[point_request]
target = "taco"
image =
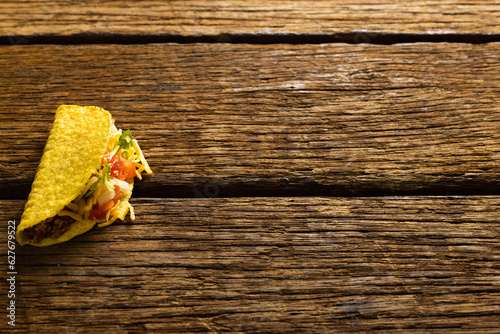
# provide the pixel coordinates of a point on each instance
(85, 177)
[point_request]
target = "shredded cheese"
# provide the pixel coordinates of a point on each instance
(81, 206)
(112, 153)
(141, 156)
(132, 213)
(72, 206)
(107, 223)
(70, 214)
(139, 176)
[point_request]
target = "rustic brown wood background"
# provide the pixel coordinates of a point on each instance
(320, 166)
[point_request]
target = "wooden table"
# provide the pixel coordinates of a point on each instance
(320, 166)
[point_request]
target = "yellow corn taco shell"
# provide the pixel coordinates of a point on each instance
(73, 152)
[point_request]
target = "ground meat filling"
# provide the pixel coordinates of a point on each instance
(52, 227)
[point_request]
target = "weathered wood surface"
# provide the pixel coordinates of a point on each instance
(257, 120)
(249, 119)
(257, 265)
(201, 17)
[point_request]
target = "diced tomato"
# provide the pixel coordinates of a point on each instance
(96, 212)
(105, 158)
(99, 212)
(107, 206)
(128, 169)
(118, 194)
(116, 166)
(122, 169)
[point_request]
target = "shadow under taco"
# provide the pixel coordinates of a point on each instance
(85, 177)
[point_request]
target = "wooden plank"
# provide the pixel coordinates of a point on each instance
(270, 265)
(202, 17)
(275, 119)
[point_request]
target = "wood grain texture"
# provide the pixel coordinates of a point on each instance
(260, 265)
(201, 17)
(328, 119)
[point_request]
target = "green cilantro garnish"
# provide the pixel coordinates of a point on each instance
(125, 140)
(107, 177)
(90, 192)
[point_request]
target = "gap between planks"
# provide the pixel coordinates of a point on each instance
(358, 37)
